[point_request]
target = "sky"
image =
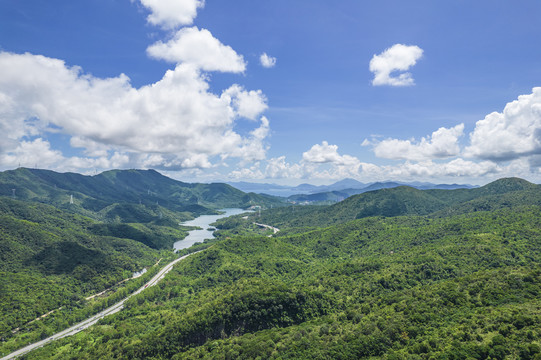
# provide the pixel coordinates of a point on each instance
(278, 91)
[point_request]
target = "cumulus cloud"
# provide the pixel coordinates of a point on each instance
(31, 153)
(170, 14)
(454, 168)
(443, 143)
(450, 170)
(326, 153)
(200, 49)
(267, 61)
(177, 117)
(339, 166)
(248, 104)
(252, 172)
(398, 57)
(278, 168)
(253, 147)
(503, 144)
(511, 134)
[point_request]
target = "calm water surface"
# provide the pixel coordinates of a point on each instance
(203, 222)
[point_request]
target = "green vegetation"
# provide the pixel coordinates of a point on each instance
(458, 287)
(116, 195)
(392, 274)
(403, 200)
(51, 259)
(64, 237)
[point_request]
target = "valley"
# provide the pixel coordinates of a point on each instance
(393, 273)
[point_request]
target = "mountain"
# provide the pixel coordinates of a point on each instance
(461, 287)
(339, 186)
(318, 198)
(50, 258)
(383, 185)
(326, 194)
(329, 197)
(256, 187)
(404, 200)
(99, 196)
(65, 236)
(285, 191)
(364, 278)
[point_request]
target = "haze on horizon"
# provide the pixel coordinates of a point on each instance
(280, 92)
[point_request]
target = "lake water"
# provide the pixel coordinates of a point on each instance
(203, 222)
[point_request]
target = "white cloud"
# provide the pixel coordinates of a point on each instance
(200, 49)
(252, 172)
(340, 165)
(396, 58)
(31, 153)
(267, 61)
(176, 117)
(278, 168)
(443, 143)
(454, 168)
(200, 161)
(254, 148)
(248, 104)
(326, 153)
(511, 134)
(170, 14)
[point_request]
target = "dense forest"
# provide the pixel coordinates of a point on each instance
(114, 196)
(459, 287)
(392, 274)
(66, 237)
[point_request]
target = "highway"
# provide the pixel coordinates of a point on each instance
(94, 319)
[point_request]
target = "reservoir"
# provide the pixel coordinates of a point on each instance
(203, 222)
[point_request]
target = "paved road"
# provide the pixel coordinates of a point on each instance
(94, 319)
(268, 227)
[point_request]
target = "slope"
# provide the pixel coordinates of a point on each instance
(404, 287)
(403, 200)
(92, 195)
(50, 258)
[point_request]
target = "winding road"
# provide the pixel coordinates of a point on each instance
(268, 227)
(94, 319)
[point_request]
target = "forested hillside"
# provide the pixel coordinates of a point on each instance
(393, 274)
(458, 287)
(50, 258)
(403, 200)
(65, 236)
(113, 195)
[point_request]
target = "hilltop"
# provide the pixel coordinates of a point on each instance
(405, 200)
(116, 194)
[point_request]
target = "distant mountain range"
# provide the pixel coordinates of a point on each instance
(307, 193)
(406, 200)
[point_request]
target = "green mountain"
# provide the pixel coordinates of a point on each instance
(50, 258)
(394, 274)
(404, 200)
(99, 196)
(406, 287)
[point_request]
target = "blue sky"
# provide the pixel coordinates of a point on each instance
(440, 91)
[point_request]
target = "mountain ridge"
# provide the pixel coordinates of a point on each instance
(405, 200)
(90, 195)
(334, 192)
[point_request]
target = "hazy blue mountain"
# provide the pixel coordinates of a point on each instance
(345, 187)
(327, 197)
